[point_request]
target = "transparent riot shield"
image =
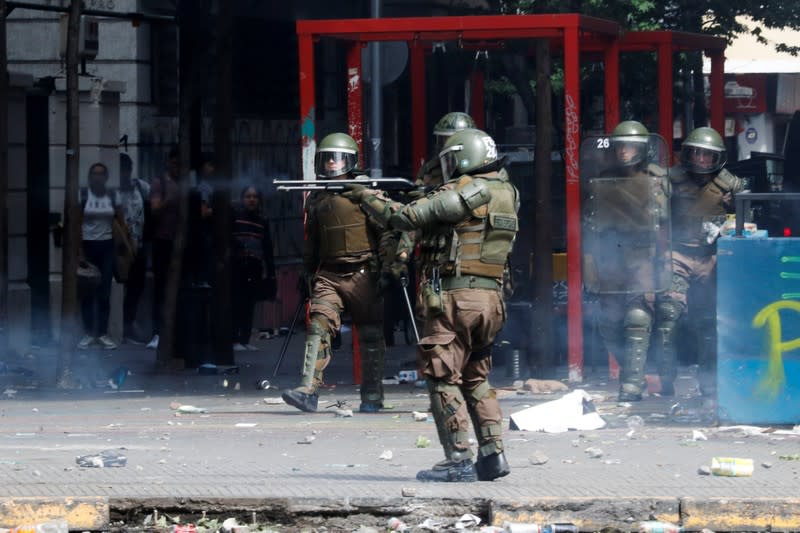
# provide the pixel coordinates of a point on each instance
(625, 188)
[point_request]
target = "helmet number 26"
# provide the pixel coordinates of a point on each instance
(603, 142)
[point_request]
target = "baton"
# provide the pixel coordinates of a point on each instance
(289, 336)
(389, 184)
(404, 283)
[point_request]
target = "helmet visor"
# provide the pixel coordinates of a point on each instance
(449, 160)
(329, 164)
(630, 151)
(699, 160)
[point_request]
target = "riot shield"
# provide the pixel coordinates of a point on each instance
(625, 188)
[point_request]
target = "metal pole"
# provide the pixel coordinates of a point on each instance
(404, 283)
(289, 334)
(376, 101)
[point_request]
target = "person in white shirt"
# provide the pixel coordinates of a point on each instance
(99, 207)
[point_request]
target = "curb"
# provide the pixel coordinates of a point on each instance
(81, 513)
(589, 514)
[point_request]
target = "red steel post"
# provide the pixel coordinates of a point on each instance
(665, 93)
(572, 171)
(354, 105)
(476, 97)
(419, 135)
(611, 84)
(717, 91)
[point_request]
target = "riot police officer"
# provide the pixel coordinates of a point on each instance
(468, 228)
(340, 258)
(430, 174)
(702, 194)
(626, 241)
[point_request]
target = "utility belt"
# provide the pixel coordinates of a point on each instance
(432, 289)
(343, 268)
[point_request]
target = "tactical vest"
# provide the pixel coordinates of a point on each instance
(343, 230)
(480, 244)
(694, 203)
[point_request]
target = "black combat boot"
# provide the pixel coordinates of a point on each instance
(302, 400)
(625, 396)
(450, 472)
(491, 467)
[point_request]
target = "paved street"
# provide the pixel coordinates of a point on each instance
(243, 450)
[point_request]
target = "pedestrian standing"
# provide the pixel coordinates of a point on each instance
(99, 206)
(134, 195)
(468, 229)
(164, 205)
(253, 269)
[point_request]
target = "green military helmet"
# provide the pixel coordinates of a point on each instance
(337, 154)
(466, 151)
(630, 139)
(448, 125)
(703, 151)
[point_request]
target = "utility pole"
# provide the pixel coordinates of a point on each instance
(72, 230)
(376, 101)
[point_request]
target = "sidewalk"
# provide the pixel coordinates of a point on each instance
(245, 453)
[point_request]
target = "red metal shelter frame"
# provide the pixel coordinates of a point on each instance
(572, 32)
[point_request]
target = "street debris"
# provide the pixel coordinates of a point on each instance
(103, 459)
(698, 435)
(386, 455)
(594, 453)
(423, 442)
(246, 424)
(790, 457)
(544, 386)
(635, 423)
(51, 526)
(538, 458)
(516, 527)
(731, 466)
(395, 524)
(467, 520)
(274, 401)
(343, 413)
(408, 492)
(419, 417)
(766, 464)
(655, 526)
(747, 430)
(308, 439)
(191, 409)
(10, 393)
(574, 410)
(704, 470)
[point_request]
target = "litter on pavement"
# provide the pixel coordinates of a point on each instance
(574, 410)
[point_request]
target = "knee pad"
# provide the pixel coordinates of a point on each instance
(668, 311)
(638, 318)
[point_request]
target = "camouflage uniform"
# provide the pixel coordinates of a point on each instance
(468, 227)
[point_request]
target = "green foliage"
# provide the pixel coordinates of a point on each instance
(714, 17)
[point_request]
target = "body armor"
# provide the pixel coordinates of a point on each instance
(695, 202)
(339, 231)
(479, 245)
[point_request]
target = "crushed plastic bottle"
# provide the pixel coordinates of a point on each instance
(731, 466)
(106, 458)
(635, 425)
(560, 528)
